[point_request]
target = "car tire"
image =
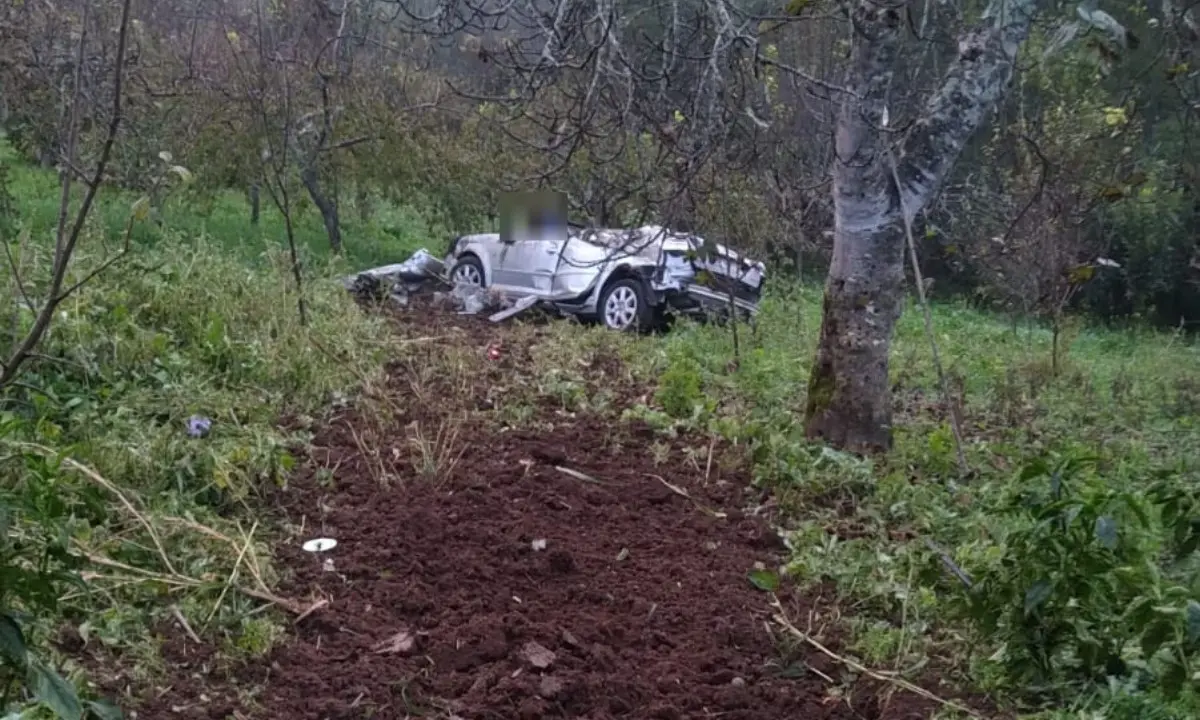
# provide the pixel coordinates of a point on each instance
(625, 306)
(468, 271)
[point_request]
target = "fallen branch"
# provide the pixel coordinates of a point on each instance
(172, 577)
(684, 494)
(578, 475)
(887, 677)
(102, 482)
(183, 623)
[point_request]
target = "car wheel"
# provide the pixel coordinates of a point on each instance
(625, 306)
(467, 271)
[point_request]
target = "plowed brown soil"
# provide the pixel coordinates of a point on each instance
(574, 570)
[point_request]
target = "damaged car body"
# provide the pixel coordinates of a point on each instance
(626, 279)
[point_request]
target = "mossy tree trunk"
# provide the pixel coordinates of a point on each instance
(849, 398)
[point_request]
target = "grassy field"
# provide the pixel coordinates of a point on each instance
(1073, 526)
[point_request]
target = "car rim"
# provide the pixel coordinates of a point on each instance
(467, 274)
(621, 307)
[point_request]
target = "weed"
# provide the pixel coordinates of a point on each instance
(680, 390)
(434, 458)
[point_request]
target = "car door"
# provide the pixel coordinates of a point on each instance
(527, 265)
(582, 262)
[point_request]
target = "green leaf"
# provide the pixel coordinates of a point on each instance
(1106, 531)
(1035, 468)
(1140, 612)
(12, 641)
(1037, 594)
(1193, 621)
(105, 710)
(1135, 506)
(1155, 636)
(1173, 678)
(764, 580)
(54, 692)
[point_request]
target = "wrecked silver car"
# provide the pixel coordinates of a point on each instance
(626, 279)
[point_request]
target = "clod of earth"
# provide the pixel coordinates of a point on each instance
(550, 687)
(537, 655)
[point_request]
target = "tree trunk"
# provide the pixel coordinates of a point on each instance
(849, 398)
(362, 201)
(849, 402)
(255, 203)
(329, 212)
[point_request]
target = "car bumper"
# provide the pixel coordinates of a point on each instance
(698, 300)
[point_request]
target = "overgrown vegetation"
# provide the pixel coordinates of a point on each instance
(121, 512)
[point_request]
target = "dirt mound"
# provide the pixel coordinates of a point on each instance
(520, 590)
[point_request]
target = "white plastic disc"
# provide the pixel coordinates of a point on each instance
(320, 545)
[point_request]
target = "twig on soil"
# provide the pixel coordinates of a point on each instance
(378, 473)
(289, 605)
(140, 575)
(684, 494)
(578, 475)
(712, 445)
(311, 609)
(887, 677)
(183, 623)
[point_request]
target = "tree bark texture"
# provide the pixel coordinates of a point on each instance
(329, 212)
(255, 203)
(849, 401)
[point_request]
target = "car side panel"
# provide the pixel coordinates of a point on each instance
(582, 265)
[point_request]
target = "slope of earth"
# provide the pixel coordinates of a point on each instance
(508, 547)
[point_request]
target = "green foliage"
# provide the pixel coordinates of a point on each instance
(1075, 585)
(97, 467)
(680, 391)
(32, 575)
(1113, 535)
